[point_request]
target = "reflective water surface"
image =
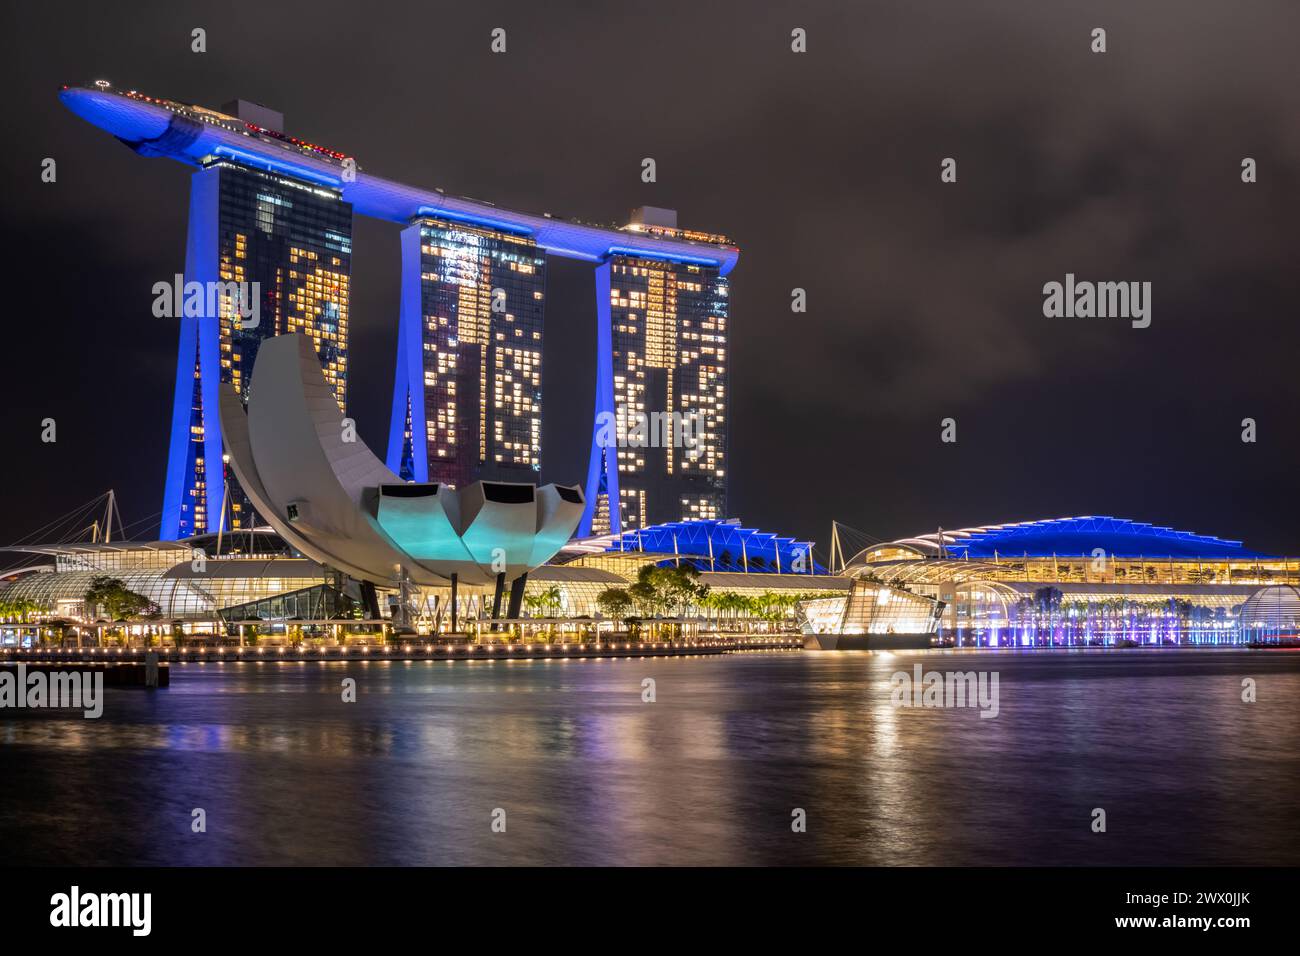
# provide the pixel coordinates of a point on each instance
(709, 773)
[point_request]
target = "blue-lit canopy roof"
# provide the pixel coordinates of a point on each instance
(1117, 537)
(720, 546)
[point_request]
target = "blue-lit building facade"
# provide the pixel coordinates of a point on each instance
(274, 209)
(1087, 581)
(289, 243)
(773, 573)
(467, 404)
(668, 354)
(718, 545)
(663, 374)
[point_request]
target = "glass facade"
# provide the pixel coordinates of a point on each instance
(179, 595)
(1090, 580)
(873, 608)
(668, 324)
(482, 298)
(989, 614)
(317, 603)
(294, 240)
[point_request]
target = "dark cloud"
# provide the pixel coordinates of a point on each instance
(924, 299)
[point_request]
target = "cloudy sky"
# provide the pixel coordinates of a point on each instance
(924, 298)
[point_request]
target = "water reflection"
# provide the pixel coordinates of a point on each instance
(708, 773)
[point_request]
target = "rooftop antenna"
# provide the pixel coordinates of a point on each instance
(943, 548)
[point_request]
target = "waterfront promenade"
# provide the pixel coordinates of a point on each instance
(412, 651)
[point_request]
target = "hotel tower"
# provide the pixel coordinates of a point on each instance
(290, 242)
(272, 211)
(468, 384)
(662, 349)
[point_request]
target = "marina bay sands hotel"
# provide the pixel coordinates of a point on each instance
(273, 210)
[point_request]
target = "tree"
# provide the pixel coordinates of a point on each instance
(646, 597)
(660, 589)
(614, 602)
(20, 609)
(770, 606)
(680, 587)
(117, 600)
(715, 601)
(1047, 603)
(729, 602)
(545, 601)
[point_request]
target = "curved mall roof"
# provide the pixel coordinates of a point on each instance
(711, 544)
(1117, 537)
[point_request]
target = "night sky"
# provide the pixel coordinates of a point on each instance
(924, 298)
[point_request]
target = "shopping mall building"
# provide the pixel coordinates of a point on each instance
(1067, 582)
(255, 577)
(1085, 581)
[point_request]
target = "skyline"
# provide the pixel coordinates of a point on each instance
(1102, 417)
(727, 435)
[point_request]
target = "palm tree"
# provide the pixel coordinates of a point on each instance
(1047, 601)
(545, 603)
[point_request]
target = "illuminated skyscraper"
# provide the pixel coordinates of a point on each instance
(468, 398)
(662, 369)
(293, 240)
(277, 210)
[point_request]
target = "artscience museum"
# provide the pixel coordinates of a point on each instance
(339, 505)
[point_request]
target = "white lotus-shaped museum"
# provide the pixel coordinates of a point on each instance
(341, 506)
